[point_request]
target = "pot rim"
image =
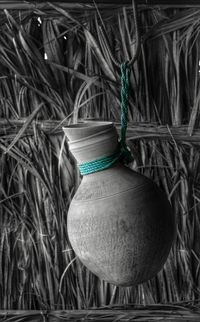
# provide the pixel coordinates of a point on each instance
(75, 145)
(97, 136)
(87, 124)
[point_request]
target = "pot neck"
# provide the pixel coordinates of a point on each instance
(92, 142)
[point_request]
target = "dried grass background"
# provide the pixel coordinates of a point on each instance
(55, 65)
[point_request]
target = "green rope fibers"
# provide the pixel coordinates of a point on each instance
(99, 164)
(108, 161)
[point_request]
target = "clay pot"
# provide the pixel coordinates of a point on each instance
(120, 224)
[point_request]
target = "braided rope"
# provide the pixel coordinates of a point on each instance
(99, 164)
(125, 85)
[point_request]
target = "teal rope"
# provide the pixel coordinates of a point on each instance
(99, 164)
(125, 85)
(108, 161)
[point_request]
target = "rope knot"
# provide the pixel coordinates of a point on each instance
(126, 154)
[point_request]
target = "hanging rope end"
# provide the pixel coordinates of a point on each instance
(126, 154)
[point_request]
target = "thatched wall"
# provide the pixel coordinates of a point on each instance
(55, 67)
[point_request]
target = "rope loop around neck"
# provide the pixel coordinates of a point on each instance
(123, 152)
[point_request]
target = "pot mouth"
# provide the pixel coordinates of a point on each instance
(82, 130)
(86, 124)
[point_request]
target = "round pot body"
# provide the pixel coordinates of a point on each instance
(120, 224)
